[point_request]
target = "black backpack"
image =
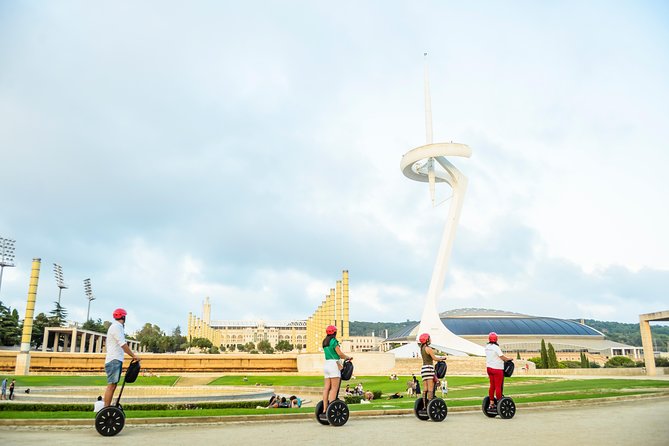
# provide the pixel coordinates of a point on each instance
(132, 373)
(440, 369)
(508, 368)
(347, 370)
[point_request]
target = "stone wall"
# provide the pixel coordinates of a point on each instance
(92, 362)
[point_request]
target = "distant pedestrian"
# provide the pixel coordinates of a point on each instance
(99, 405)
(4, 389)
(11, 389)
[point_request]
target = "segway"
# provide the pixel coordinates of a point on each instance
(337, 411)
(505, 407)
(436, 408)
(110, 420)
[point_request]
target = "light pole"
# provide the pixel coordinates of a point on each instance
(89, 296)
(6, 255)
(58, 271)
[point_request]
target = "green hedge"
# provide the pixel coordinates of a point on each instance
(36, 407)
(352, 399)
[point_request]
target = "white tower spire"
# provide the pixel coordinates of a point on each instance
(419, 164)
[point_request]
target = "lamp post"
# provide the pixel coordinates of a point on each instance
(58, 272)
(6, 255)
(89, 296)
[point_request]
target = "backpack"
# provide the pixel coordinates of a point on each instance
(347, 371)
(132, 372)
(508, 368)
(440, 369)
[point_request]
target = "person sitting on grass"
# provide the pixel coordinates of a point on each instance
(295, 402)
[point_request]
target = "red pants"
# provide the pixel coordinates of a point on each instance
(496, 381)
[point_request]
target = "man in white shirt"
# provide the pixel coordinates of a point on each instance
(116, 347)
(99, 405)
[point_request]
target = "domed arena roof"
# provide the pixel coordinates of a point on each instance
(478, 321)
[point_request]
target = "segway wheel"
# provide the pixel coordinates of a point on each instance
(337, 413)
(109, 421)
(319, 414)
(420, 411)
(437, 409)
(484, 408)
(506, 408)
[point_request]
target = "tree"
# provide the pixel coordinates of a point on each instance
(39, 323)
(10, 334)
(584, 361)
(283, 346)
(97, 326)
(149, 338)
(58, 315)
(552, 358)
(517, 355)
(265, 347)
(248, 347)
(544, 355)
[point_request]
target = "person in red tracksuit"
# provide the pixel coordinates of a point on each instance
(494, 361)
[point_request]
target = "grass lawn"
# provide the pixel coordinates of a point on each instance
(403, 403)
(23, 382)
(463, 391)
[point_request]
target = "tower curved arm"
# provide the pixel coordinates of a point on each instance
(418, 165)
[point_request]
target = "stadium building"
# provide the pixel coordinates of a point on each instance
(521, 334)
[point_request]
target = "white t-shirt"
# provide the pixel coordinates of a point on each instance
(492, 357)
(99, 405)
(115, 342)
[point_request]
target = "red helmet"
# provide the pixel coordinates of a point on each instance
(331, 329)
(492, 337)
(424, 338)
(119, 313)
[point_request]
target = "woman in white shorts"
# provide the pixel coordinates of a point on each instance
(331, 369)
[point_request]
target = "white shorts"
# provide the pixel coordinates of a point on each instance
(330, 369)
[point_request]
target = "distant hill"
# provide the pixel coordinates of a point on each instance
(615, 331)
(357, 328)
(630, 334)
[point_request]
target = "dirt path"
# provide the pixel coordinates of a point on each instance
(642, 422)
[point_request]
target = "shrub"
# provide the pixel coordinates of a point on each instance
(619, 361)
(661, 362)
(377, 394)
(570, 364)
(595, 365)
(352, 399)
(537, 361)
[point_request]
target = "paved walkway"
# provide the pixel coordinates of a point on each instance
(640, 422)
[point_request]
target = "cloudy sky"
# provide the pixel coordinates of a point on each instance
(249, 152)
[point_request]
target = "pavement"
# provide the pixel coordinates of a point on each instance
(631, 422)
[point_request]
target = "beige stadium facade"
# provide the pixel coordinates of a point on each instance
(304, 335)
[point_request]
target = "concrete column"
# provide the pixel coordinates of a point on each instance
(45, 339)
(66, 341)
(22, 366)
(82, 344)
(647, 342)
(73, 341)
(98, 345)
(91, 344)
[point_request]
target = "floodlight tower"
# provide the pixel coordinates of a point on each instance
(428, 164)
(89, 296)
(6, 255)
(58, 272)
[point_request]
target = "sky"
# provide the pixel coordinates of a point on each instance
(249, 152)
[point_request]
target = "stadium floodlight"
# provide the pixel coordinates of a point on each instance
(6, 255)
(58, 272)
(89, 295)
